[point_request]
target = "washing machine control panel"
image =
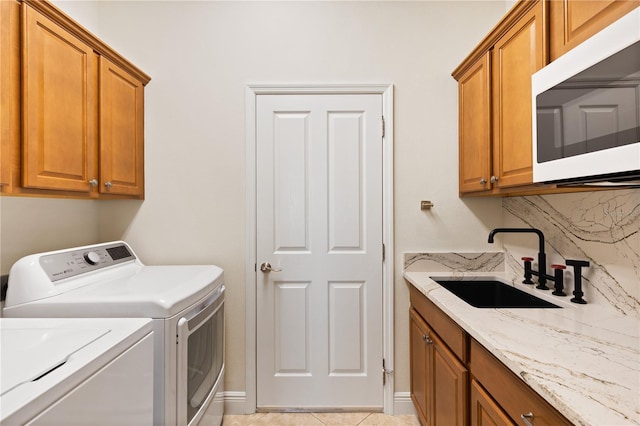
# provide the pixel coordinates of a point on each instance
(65, 264)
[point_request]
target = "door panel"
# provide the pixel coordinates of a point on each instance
(348, 328)
(292, 328)
(319, 222)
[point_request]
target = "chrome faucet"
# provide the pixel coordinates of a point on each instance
(542, 257)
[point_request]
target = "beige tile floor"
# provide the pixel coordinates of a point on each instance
(319, 419)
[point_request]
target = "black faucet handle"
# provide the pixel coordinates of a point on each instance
(577, 277)
(577, 263)
(527, 270)
(558, 278)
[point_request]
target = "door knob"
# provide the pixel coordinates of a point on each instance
(266, 267)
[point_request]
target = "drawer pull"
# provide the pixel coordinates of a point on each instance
(527, 418)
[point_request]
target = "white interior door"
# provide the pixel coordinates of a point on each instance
(319, 226)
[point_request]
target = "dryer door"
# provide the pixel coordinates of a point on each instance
(200, 358)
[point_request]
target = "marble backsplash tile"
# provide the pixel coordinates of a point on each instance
(601, 227)
(454, 262)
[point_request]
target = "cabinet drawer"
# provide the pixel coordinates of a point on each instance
(509, 391)
(450, 332)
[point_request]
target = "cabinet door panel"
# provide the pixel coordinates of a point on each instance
(450, 386)
(121, 131)
(10, 89)
(420, 360)
(572, 22)
(59, 107)
(475, 127)
(516, 56)
(484, 410)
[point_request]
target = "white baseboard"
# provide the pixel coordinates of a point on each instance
(402, 404)
(235, 403)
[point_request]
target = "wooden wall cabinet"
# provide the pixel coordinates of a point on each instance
(519, 53)
(494, 87)
(574, 21)
(9, 88)
(474, 101)
(60, 111)
(81, 114)
(456, 381)
(439, 379)
(494, 90)
(121, 131)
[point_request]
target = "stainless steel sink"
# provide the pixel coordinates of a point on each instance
(492, 294)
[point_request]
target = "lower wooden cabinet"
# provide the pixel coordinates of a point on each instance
(439, 380)
(420, 362)
(450, 382)
(484, 410)
(456, 381)
(513, 396)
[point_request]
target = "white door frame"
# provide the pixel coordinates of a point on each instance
(251, 93)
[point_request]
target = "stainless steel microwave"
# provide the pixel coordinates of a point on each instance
(586, 110)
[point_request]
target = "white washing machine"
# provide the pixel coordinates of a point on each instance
(58, 371)
(186, 303)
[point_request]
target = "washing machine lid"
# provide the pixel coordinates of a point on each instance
(30, 353)
(150, 292)
(69, 350)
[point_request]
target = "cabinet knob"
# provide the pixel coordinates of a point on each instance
(108, 184)
(483, 181)
(494, 179)
(527, 418)
(426, 339)
(93, 182)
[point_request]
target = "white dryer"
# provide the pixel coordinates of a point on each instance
(67, 372)
(186, 303)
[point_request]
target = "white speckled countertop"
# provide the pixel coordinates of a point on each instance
(583, 359)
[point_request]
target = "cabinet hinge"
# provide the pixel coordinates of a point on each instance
(383, 126)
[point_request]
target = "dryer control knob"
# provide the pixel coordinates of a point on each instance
(92, 258)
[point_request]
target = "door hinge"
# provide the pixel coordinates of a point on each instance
(383, 126)
(385, 371)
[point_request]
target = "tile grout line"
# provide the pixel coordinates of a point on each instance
(365, 418)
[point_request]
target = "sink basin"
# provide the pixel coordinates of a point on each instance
(492, 294)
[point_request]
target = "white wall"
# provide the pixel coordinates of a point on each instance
(201, 55)
(31, 225)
